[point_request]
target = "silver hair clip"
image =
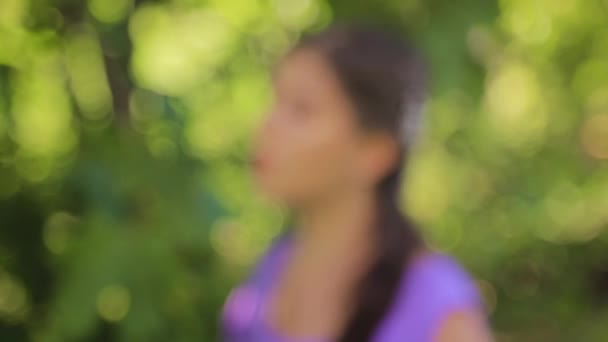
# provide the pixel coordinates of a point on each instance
(411, 123)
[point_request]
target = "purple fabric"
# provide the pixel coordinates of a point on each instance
(433, 286)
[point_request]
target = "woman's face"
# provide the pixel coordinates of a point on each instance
(310, 144)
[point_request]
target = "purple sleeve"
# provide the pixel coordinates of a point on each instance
(432, 289)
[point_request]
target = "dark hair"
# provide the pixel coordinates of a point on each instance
(385, 79)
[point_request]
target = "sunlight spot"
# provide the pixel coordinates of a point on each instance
(528, 21)
(13, 12)
(14, 302)
(297, 13)
(41, 109)
(172, 66)
(109, 11)
(427, 190)
(113, 303)
(57, 231)
(594, 136)
(239, 13)
(516, 112)
(88, 79)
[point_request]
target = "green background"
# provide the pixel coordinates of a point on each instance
(126, 208)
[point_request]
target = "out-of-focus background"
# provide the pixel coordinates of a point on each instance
(126, 208)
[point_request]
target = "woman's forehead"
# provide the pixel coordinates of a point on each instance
(307, 70)
(303, 62)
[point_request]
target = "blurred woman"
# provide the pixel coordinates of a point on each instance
(348, 102)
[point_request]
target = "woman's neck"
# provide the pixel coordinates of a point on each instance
(331, 250)
(337, 232)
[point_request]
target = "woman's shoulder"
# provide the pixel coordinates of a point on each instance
(440, 275)
(433, 286)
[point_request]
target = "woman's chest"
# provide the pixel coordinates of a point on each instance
(245, 318)
(252, 314)
(298, 306)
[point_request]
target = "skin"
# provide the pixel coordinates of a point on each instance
(312, 155)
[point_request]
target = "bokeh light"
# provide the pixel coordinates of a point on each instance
(14, 301)
(515, 106)
(58, 231)
(109, 11)
(88, 80)
(113, 303)
(594, 136)
(168, 65)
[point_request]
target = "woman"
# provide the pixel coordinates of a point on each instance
(333, 147)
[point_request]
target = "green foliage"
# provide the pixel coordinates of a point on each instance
(126, 210)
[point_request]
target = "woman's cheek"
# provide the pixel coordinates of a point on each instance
(286, 170)
(317, 169)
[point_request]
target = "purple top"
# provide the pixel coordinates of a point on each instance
(433, 286)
